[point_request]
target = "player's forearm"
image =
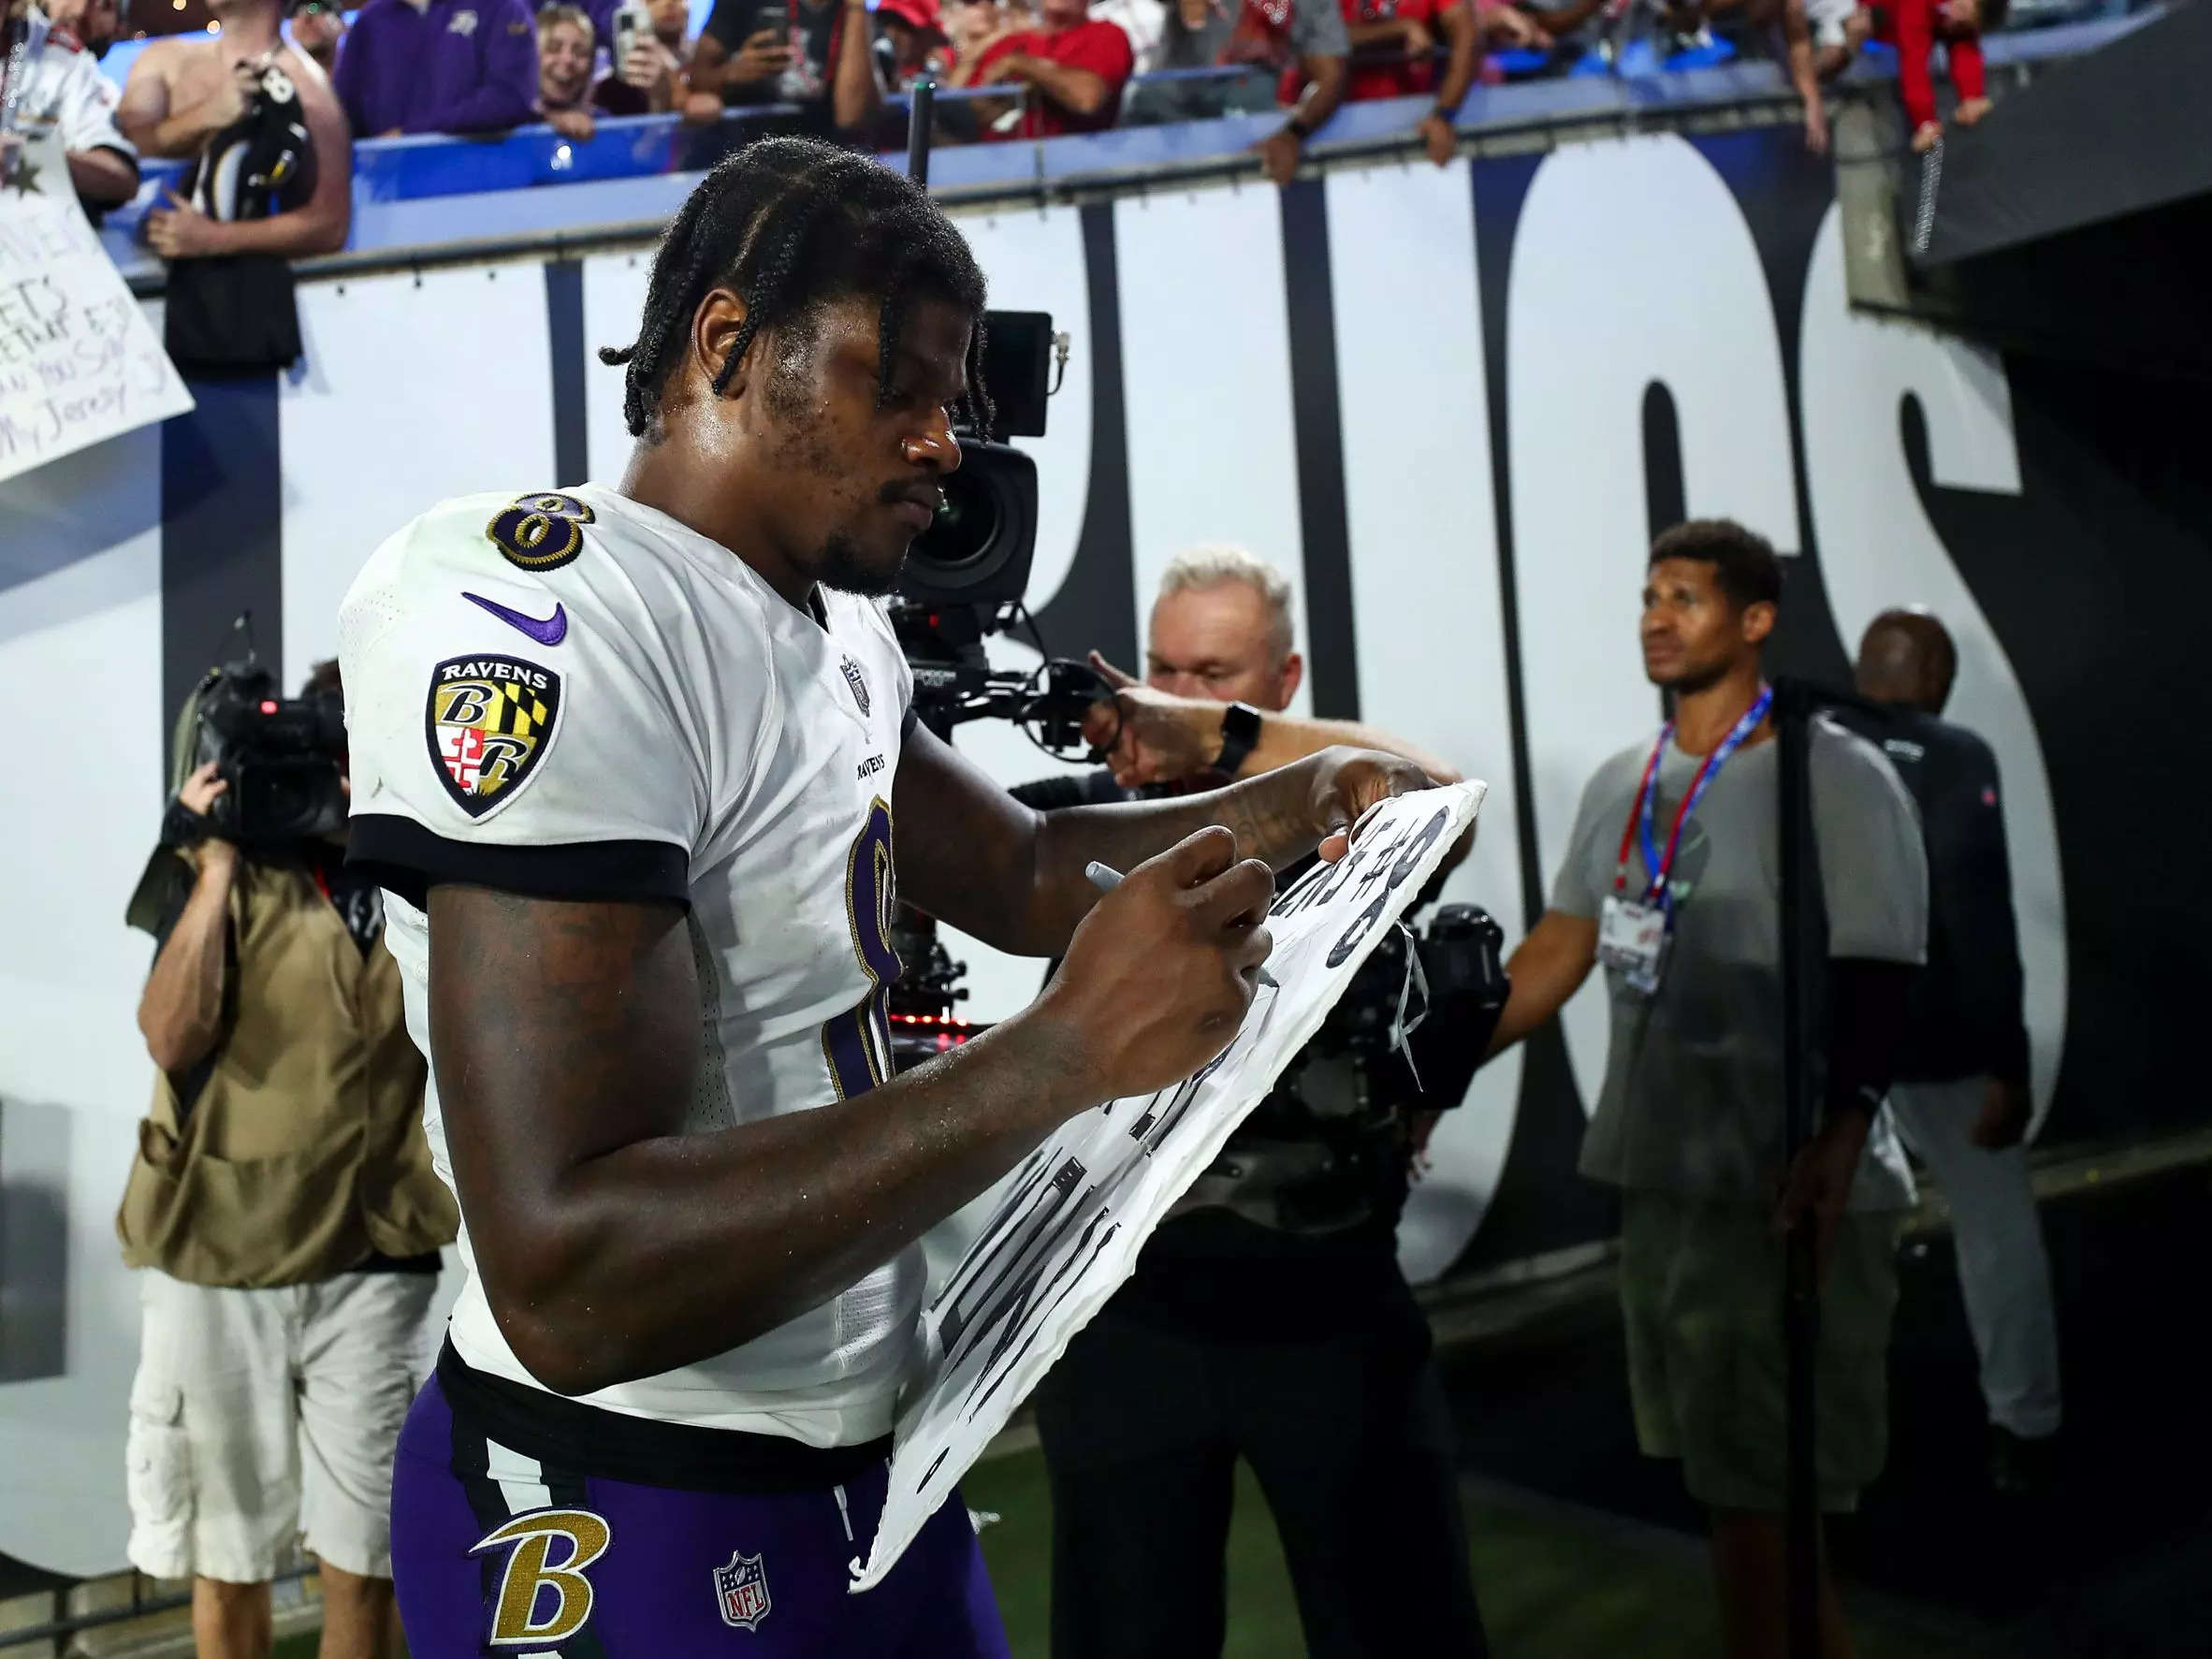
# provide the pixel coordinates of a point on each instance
(668, 1251)
(1273, 818)
(181, 1011)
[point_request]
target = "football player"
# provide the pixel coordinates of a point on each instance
(627, 760)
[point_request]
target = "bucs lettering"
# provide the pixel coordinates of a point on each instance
(489, 721)
(543, 1597)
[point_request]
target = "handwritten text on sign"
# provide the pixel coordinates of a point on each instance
(77, 361)
(1072, 1220)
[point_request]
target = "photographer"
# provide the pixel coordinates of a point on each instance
(1267, 1318)
(284, 1205)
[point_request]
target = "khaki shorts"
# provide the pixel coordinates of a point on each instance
(257, 1416)
(1701, 1290)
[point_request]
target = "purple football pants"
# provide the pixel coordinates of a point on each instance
(495, 1553)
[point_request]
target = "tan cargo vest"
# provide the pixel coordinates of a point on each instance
(304, 1152)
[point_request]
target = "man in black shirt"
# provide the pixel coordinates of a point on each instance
(814, 53)
(1267, 1318)
(1961, 1097)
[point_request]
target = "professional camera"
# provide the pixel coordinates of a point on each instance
(282, 757)
(1326, 1151)
(965, 574)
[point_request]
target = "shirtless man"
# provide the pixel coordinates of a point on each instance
(186, 92)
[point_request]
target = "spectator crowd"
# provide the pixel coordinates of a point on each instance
(284, 85)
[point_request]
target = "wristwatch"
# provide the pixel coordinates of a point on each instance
(1240, 736)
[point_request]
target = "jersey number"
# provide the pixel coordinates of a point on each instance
(857, 1045)
(540, 531)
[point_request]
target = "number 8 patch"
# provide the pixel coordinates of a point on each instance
(541, 531)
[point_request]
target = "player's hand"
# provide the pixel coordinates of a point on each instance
(1346, 782)
(1152, 737)
(764, 55)
(2003, 1120)
(1158, 977)
(1278, 154)
(1817, 1185)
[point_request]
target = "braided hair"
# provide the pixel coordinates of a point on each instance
(789, 225)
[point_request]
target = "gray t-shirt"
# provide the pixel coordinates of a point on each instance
(1692, 1095)
(1306, 29)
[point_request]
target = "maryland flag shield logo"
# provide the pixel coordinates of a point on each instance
(489, 721)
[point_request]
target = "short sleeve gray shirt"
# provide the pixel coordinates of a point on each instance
(1692, 1101)
(1316, 30)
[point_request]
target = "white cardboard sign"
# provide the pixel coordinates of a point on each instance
(1068, 1231)
(78, 362)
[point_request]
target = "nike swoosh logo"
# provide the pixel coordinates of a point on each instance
(551, 632)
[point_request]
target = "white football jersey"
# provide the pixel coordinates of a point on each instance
(573, 695)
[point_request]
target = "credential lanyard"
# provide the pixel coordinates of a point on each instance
(1657, 865)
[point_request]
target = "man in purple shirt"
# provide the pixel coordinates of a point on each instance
(437, 66)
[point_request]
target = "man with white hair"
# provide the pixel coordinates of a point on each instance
(1267, 1318)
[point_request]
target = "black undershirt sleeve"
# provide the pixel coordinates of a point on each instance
(1865, 1023)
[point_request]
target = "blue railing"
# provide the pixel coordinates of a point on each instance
(420, 192)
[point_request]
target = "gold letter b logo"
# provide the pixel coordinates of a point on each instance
(513, 1620)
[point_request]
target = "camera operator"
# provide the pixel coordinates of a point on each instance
(283, 1206)
(1267, 1318)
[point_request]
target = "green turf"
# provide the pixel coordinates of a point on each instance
(1553, 1584)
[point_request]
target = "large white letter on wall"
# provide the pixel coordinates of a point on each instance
(1877, 549)
(1632, 264)
(418, 386)
(1427, 614)
(1206, 352)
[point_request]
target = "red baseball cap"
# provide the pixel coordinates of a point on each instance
(923, 15)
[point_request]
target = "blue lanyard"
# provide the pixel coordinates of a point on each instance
(1658, 866)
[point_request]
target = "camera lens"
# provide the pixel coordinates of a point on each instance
(964, 532)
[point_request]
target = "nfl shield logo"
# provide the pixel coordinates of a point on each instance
(860, 686)
(741, 1588)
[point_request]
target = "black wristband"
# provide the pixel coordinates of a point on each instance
(183, 828)
(1240, 736)
(1299, 128)
(1446, 115)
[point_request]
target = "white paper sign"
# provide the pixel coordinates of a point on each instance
(1069, 1229)
(77, 361)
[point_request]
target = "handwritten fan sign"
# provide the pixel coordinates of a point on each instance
(77, 361)
(1068, 1231)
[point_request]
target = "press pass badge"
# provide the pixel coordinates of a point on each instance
(1632, 934)
(1632, 939)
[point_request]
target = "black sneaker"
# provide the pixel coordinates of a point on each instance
(2020, 1468)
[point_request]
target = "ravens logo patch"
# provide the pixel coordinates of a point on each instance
(489, 721)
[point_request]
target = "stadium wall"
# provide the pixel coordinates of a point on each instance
(1454, 405)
